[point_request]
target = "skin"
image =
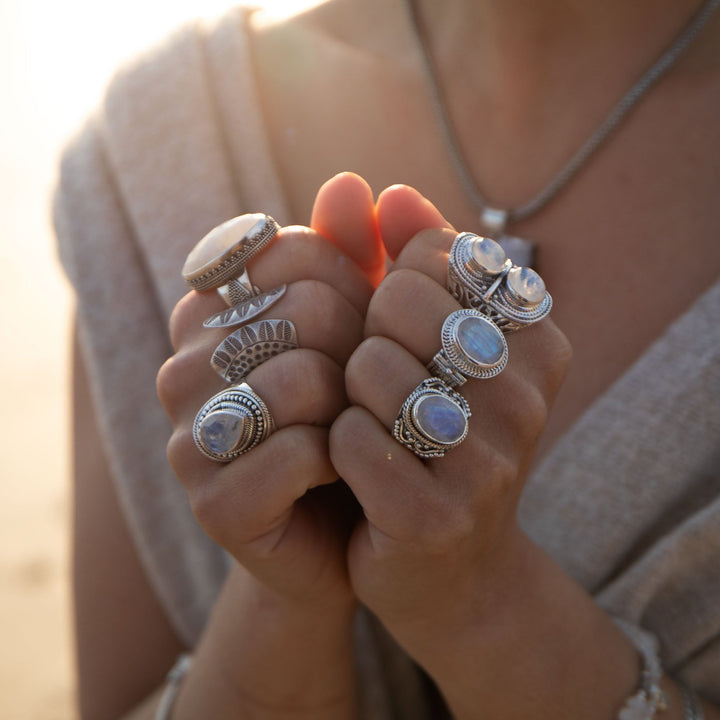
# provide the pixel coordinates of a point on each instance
(439, 524)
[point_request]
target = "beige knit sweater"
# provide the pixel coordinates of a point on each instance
(628, 501)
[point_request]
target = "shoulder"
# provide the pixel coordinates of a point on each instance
(149, 171)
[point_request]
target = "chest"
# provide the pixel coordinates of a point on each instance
(626, 246)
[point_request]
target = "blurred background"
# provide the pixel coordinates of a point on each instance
(55, 58)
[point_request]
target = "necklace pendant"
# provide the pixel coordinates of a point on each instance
(520, 251)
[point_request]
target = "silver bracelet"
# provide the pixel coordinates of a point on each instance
(646, 702)
(172, 688)
(691, 703)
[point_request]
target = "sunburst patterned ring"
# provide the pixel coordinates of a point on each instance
(250, 346)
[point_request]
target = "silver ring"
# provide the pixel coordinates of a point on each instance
(481, 277)
(238, 290)
(472, 346)
(250, 346)
(246, 310)
(433, 420)
(231, 423)
(222, 254)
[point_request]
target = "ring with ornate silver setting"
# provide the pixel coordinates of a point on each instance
(472, 346)
(218, 260)
(433, 420)
(231, 423)
(480, 276)
(250, 346)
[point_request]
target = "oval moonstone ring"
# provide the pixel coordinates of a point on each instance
(472, 346)
(433, 420)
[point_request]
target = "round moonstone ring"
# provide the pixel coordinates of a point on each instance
(231, 423)
(433, 420)
(472, 346)
(480, 276)
(222, 254)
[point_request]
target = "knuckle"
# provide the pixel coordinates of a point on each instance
(368, 361)
(175, 378)
(208, 507)
(497, 486)
(445, 527)
(311, 381)
(181, 319)
(535, 409)
(167, 383)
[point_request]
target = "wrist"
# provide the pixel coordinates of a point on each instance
(265, 656)
(527, 631)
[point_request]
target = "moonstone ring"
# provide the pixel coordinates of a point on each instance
(231, 423)
(220, 257)
(472, 346)
(433, 420)
(480, 276)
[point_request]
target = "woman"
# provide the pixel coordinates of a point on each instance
(619, 513)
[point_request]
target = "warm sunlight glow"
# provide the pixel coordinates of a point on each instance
(55, 60)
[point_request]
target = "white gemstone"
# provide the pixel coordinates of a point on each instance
(480, 340)
(221, 242)
(488, 255)
(221, 431)
(440, 419)
(526, 285)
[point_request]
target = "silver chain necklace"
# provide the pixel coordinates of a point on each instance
(494, 220)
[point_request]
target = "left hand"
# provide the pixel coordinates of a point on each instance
(439, 545)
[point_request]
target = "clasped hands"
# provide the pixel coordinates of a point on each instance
(432, 547)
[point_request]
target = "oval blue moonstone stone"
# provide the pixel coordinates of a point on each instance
(440, 419)
(480, 340)
(221, 431)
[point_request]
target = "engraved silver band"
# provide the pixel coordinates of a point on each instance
(250, 346)
(239, 289)
(495, 291)
(246, 310)
(472, 347)
(433, 419)
(231, 423)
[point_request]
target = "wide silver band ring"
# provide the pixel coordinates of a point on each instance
(245, 310)
(250, 346)
(231, 423)
(222, 254)
(433, 419)
(473, 346)
(481, 277)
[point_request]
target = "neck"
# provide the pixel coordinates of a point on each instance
(514, 39)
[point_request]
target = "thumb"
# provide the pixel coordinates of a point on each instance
(403, 212)
(344, 213)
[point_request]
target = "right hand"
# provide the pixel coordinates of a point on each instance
(278, 508)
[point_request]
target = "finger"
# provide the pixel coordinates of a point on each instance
(400, 496)
(402, 309)
(323, 318)
(301, 386)
(344, 213)
(402, 213)
(410, 308)
(245, 500)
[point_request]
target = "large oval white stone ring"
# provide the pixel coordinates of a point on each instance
(220, 257)
(231, 423)
(472, 346)
(433, 420)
